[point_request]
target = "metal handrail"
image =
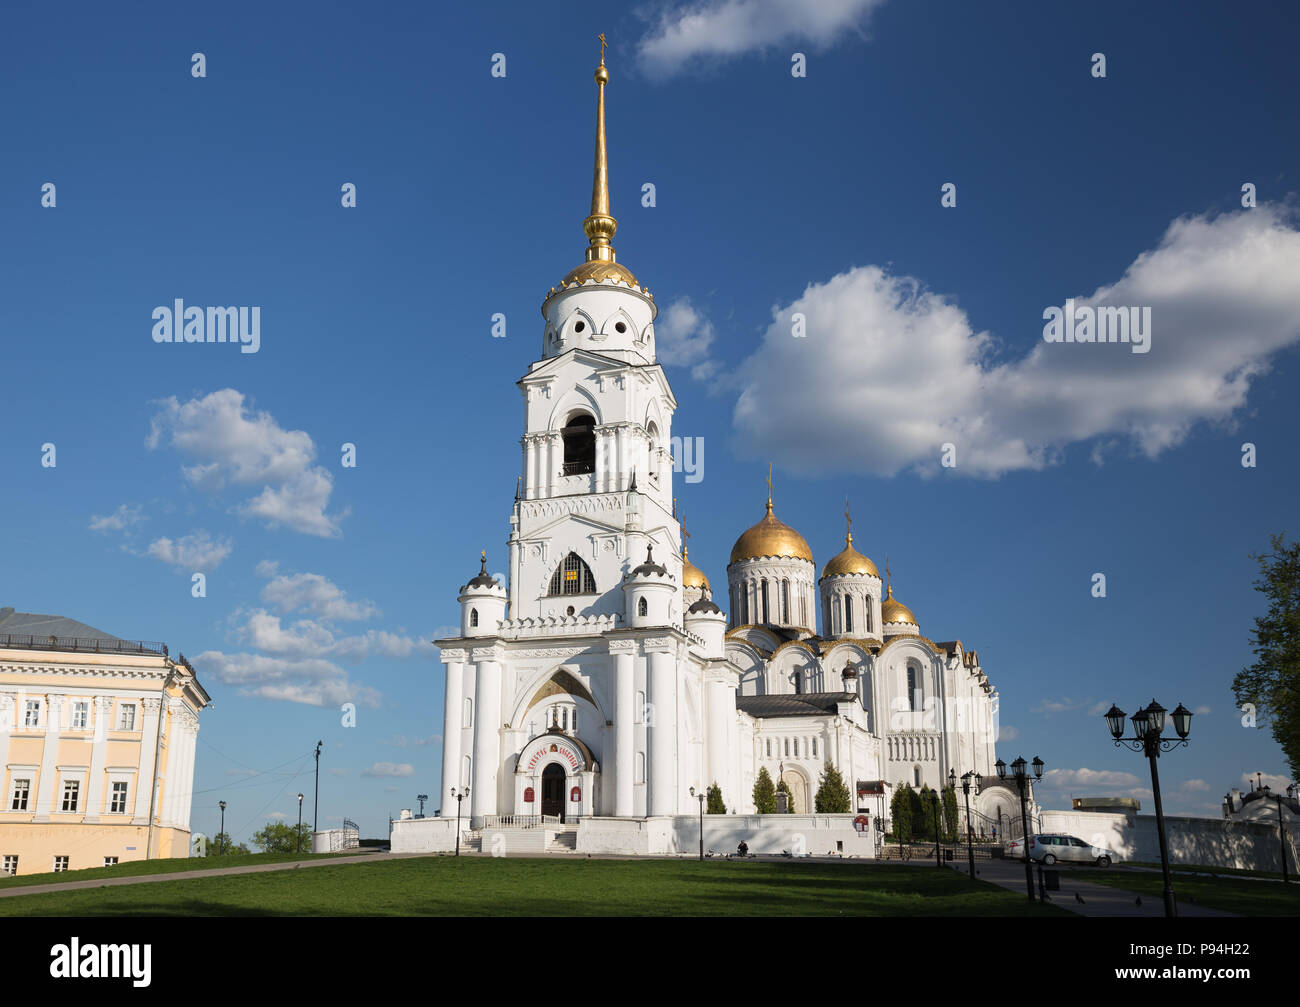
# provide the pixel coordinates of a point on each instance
(94, 645)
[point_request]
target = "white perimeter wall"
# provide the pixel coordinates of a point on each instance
(817, 835)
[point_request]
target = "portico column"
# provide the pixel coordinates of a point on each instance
(148, 743)
(453, 707)
(103, 707)
(602, 467)
(487, 739)
(624, 722)
(661, 698)
(530, 466)
(45, 796)
(620, 458)
(9, 714)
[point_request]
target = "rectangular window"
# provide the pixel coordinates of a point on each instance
(32, 714)
(117, 804)
(126, 717)
(796, 748)
(22, 791)
(640, 768)
(71, 794)
(769, 748)
(80, 716)
(814, 748)
(469, 713)
(60, 864)
(787, 748)
(9, 865)
(110, 861)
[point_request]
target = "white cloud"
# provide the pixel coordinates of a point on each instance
(1273, 781)
(279, 815)
(340, 772)
(684, 338)
(899, 371)
(389, 769)
(266, 568)
(121, 519)
(1049, 706)
(311, 681)
(198, 551)
(401, 741)
(1006, 733)
(1064, 779)
(705, 32)
(310, 592)
(1201, 710)
(232, 444)
(1196, 785)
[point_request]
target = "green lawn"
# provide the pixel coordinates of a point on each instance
(1201, 869)
(1247, 898)
(484, 886)
(135, 868)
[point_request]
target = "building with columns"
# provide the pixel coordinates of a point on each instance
(98, 735)
(602, 689)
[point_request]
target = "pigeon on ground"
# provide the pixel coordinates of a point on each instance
(1078, 898)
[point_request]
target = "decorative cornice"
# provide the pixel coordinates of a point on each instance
(457, 655)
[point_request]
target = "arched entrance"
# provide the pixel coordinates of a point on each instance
(553, 791)
(798, 791)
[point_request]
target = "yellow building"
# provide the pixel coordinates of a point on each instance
(98, 738)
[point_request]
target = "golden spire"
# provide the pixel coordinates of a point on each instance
(600, 226)
(769, 487)
(889, 580)
(848, 524)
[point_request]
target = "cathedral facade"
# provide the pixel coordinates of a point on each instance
(604, 687)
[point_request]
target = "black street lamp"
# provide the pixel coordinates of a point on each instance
(968, 781)
(1148, 725)
(934, 805)
(1022, 781)
(700, 797)
(221, 835)
(1281, 831)
(459, 797)
(300, 823)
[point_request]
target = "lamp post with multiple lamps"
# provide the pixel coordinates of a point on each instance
(700, 797)
(221, 836)
(1281, 829)
(968, 781)
(460, 795)
(1022, 781)
(934, 807)
(1148, 726)
(300, 823)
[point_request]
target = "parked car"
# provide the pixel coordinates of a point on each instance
(1048, 848)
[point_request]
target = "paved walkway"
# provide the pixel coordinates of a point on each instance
(142, 879)
(1098, 900)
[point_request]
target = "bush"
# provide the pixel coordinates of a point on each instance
(764, 794)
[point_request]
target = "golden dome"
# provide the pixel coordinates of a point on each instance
(693, 576)
(895, 611)
(850, 561)
(770, 537)
(599, 270)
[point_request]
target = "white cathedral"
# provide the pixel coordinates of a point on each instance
(603, 690)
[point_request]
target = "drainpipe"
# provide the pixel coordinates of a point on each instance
(157, 750)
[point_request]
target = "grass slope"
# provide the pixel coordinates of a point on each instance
(1245, 897)
(473, 886)
(136, 868)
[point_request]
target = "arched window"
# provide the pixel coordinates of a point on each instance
(766, 620)
(796, 748)
(652, 432)
(839, 614)
(797, 676)
(916, 775)
(785, 602)
(468, 720)
(867, 624)
(803, 611)
(573, 576)
(641, 607)
(744, 605)
(579, 436)
(848, 613)
(769, 748)
(814, 748)
(787, 748)
(913, 689)
(473, 617)
(640, 768)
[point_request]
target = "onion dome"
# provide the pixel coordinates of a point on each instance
(850, 561)
(693, 576)
(895, 611)
(704, 606)
(770, 537)
(484, 579)
(649, 567)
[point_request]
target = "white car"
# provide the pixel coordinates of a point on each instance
(1048, 848)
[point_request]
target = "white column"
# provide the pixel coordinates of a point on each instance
(103, 709)
(602, 445)
(660, 695)
(45, 794)
(624, 738)
(183, 782)
(9, 714)
(487, 740)
(167, 792)
(148, 743)
(530, 467)
(553, 456)
(717, 756)
(453, 707)
(620, 458)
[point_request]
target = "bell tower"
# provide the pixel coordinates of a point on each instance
(595, 486)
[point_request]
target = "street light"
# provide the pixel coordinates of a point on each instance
(968, 781)
(421, 798)
(1022, 780)
(700, 797)
(1281, 831)
(934, 806)
(300, 823)
(222, 833)
(1148, 725)
(459, 797)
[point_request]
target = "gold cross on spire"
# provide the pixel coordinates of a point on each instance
(848, 523)
(889, 580)
(769, 485)
(601, 36)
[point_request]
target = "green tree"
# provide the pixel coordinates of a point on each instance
(923, 812)
(713, 802)
(832, 795)
(764, 794)
(950, 822)
(784, 788)
(280, 837)
(900, 813)
(1271, 686)
(221, 845)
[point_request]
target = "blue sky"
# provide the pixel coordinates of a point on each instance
(774, 194)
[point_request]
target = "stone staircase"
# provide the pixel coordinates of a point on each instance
(563, 841)
(924, 852)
